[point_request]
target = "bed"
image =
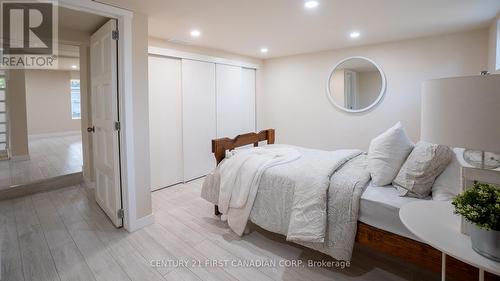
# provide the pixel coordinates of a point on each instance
(378, 226)
(379, 207)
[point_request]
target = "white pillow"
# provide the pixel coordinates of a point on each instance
(387, 153)
(419, 172)
(448, 185)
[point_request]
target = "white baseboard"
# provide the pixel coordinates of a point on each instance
(140, 223)
(56, 134)
(20, 158)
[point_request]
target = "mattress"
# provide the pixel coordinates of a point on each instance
(379, 207)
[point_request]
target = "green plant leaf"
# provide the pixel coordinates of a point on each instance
(480, 205)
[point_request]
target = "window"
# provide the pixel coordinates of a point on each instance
(75, 99)
(2, 82)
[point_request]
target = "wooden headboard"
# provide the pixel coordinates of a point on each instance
(219, 146)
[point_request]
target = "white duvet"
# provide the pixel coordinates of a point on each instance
(238, 177)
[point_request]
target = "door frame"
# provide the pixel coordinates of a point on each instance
(125, 106)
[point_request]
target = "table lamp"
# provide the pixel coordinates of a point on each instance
(465, 112)
(462, 112)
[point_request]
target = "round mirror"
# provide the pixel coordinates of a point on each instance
(356, 84)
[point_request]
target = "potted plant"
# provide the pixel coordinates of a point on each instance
(480, 206)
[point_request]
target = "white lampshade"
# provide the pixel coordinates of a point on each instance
(462, 112)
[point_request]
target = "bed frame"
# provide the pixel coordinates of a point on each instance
(418, 253)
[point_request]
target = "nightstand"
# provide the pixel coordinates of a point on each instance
(435, 224)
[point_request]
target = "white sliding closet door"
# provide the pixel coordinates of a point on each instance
(235, 102)
(165, 121)
(199, 117)
(248, 80)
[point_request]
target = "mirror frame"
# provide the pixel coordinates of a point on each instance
(379, 98)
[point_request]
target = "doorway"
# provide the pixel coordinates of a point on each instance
(42, 130)
(64, 122)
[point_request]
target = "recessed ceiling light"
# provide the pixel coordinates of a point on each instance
(354, 34)
(311, 4)
(264, 50)
(195, 33)
(74, 66)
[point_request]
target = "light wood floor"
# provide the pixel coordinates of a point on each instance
(49, 157)
(63, 235)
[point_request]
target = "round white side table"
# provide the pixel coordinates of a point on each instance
(434, 223)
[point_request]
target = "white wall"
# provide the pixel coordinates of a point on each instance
(141, 114)
(157, 42)
(18, 129)
(294, 102)
(48, 102)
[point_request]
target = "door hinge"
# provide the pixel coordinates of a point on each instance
(121, 213)
(117, 125)
(115, 35)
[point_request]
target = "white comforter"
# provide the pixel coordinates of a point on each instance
(238, 177)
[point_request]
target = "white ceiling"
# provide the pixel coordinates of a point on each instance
(80, 21)
(286, 27)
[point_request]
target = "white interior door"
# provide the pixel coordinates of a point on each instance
(235, 100)
(198, 117)
(104, 100)
(165, 121)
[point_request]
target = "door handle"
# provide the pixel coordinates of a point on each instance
(91, 129)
